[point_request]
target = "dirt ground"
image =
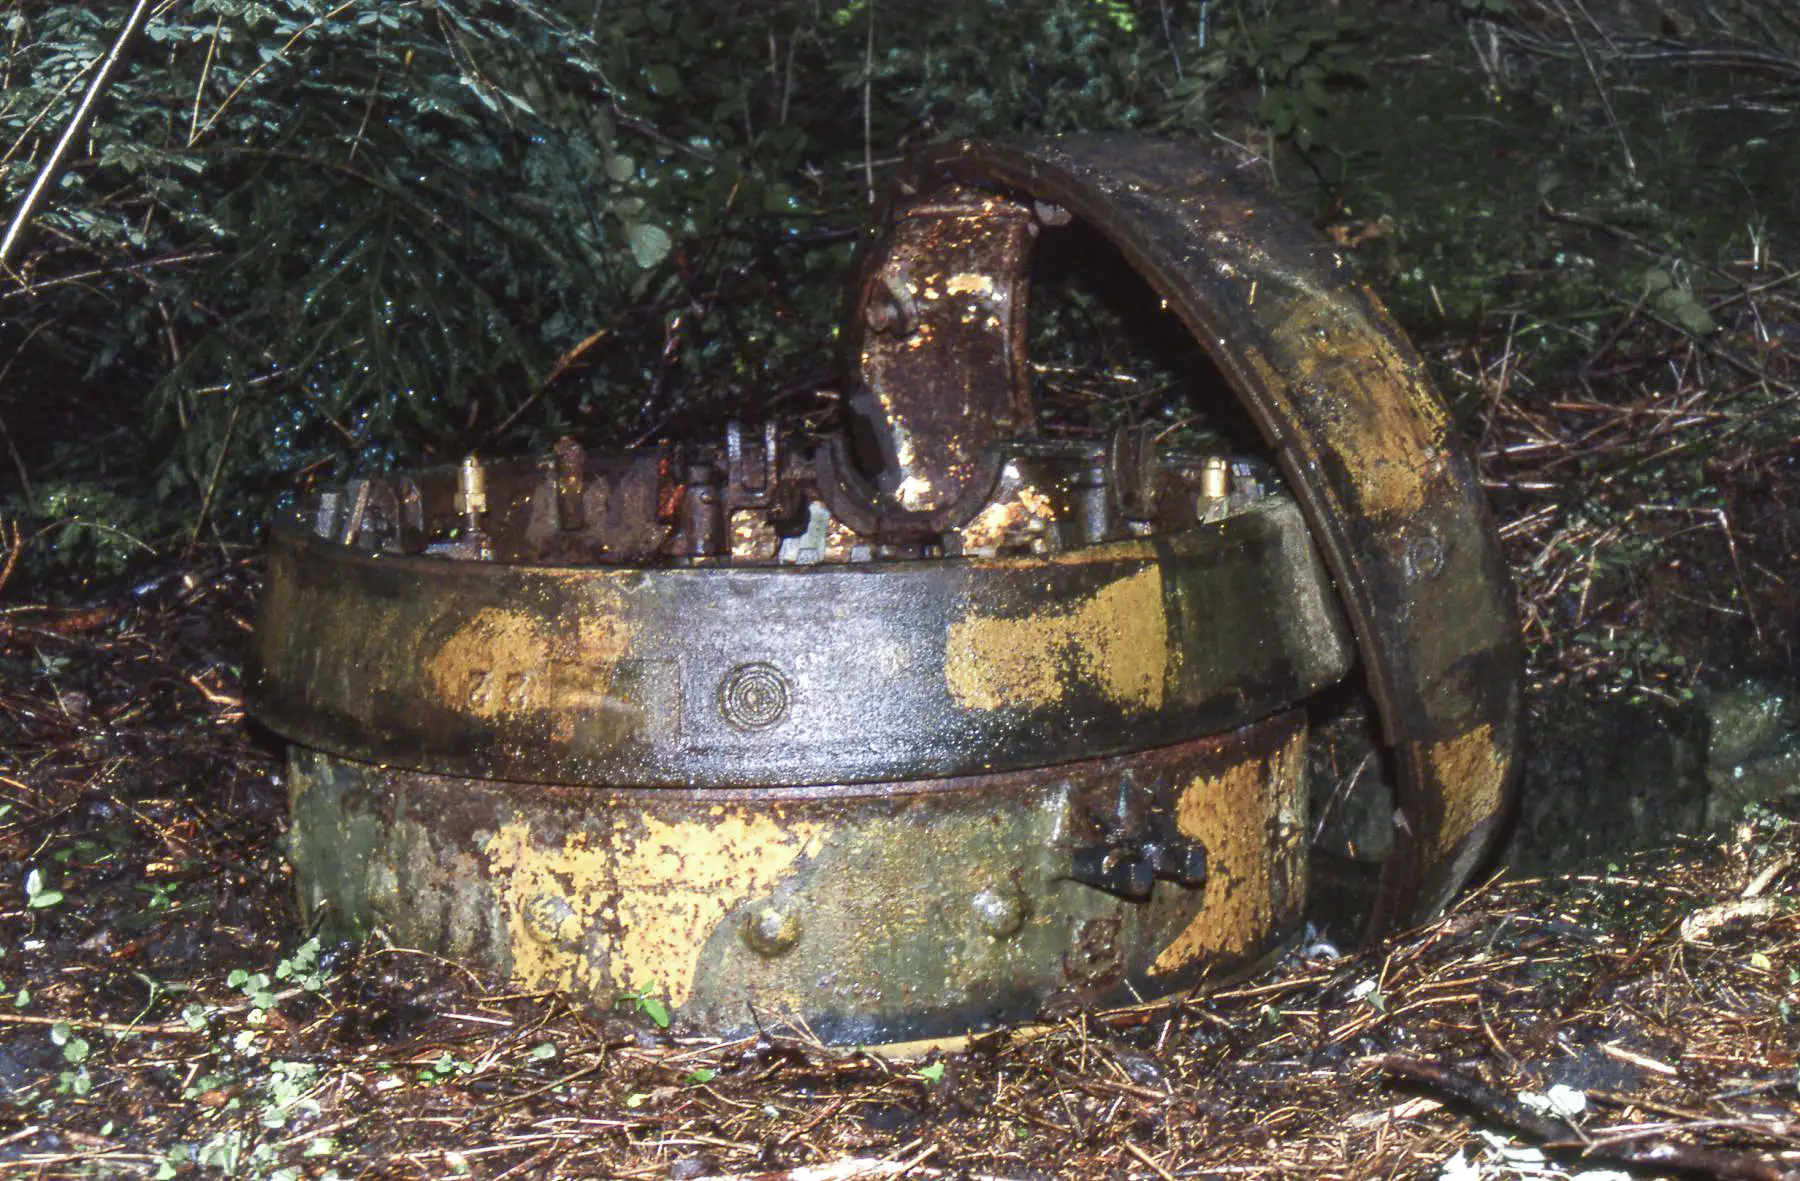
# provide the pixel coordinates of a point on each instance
(162, 1013)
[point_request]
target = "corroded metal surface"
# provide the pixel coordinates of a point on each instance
(937, 722)
(926, 406)
(734, 676)
(1364, 441)
(915, 910)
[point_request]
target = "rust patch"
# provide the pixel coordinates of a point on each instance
(1471, 771)
(1117, 640)
(1235, 814)
(1025, 508)
(633, 910)
(1096, 960)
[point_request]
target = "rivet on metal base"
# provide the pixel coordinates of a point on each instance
(999, 912)
(770, 932)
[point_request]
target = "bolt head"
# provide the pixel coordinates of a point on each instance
(771, 931)
(998, 911)
(550, 918)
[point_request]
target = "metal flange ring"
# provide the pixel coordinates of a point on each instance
(1365, 443)
(729, 676)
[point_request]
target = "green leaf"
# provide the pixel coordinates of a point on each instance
(649, 244)
(704, 1074)
(36, 896)
(543, 1051)
(664, 81)
(620, 169)
(933, 1073)
(655, 1010)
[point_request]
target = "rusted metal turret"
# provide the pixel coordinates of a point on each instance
(917, 730)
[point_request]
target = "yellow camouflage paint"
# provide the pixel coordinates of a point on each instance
(1471, 772)
(506, 662)
(1116, 640)
(640, 906)
(1248, 817)
(1389, 429)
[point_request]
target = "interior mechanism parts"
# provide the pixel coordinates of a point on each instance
(939, 721)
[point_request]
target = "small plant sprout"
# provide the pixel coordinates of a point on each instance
(170, 1166)
(444, 1068)
(161, 895)
(1370, 990)
(285, 1094)
(75, 1050)
(644, 1000)
(37, 895)
(302, 968)
(255, 986)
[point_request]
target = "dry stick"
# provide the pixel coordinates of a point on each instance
(212, 51)
(53, 164)
(867, 105)
(164, 1028)
(43, 113)
(1507, 1109)
(212, 485)
(1134, 1150)
(253, 75)
(1599, 86)
(14, 543)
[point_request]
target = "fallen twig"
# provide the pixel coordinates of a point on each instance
(1507, 1109)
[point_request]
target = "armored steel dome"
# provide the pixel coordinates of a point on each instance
(936, 722)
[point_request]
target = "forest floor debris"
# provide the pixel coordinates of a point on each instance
(163, 1013)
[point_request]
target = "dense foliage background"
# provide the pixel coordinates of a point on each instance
(303, 235)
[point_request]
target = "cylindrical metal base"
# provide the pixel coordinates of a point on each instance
(872, 913)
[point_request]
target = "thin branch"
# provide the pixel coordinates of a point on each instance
(867, 105)
(53, 164)
(1504, 1108)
